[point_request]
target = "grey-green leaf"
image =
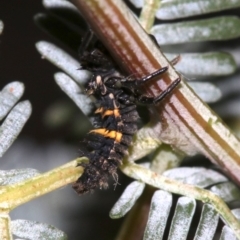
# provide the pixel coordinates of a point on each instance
(9, 96)
(236, 213)
(33, 230)
(13, 125)
(158, 215)
(207, 91)
(173, 9)
(127, 199)
(205, 64)
(16, 175)
(180, 9)
(62, 60)
(58, 3)
(207, 224)
(217, 28)
(227, 191)
(182, 218)
(1, 27)
(74, 92)
(227, 234)
(199, 176)
(137, 3)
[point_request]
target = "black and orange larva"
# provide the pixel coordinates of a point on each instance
(116, 117)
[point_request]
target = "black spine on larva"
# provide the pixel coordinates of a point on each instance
(115, 121)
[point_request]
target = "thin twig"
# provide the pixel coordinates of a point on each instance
(5, 221)
(148, 12)
(17, 194)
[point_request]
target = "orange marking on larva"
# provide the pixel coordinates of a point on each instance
(102, 131)
(99, 110)
(114, 112)
(107, 113)
(117, 136)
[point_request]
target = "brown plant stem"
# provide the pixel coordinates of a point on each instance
(186, 122)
